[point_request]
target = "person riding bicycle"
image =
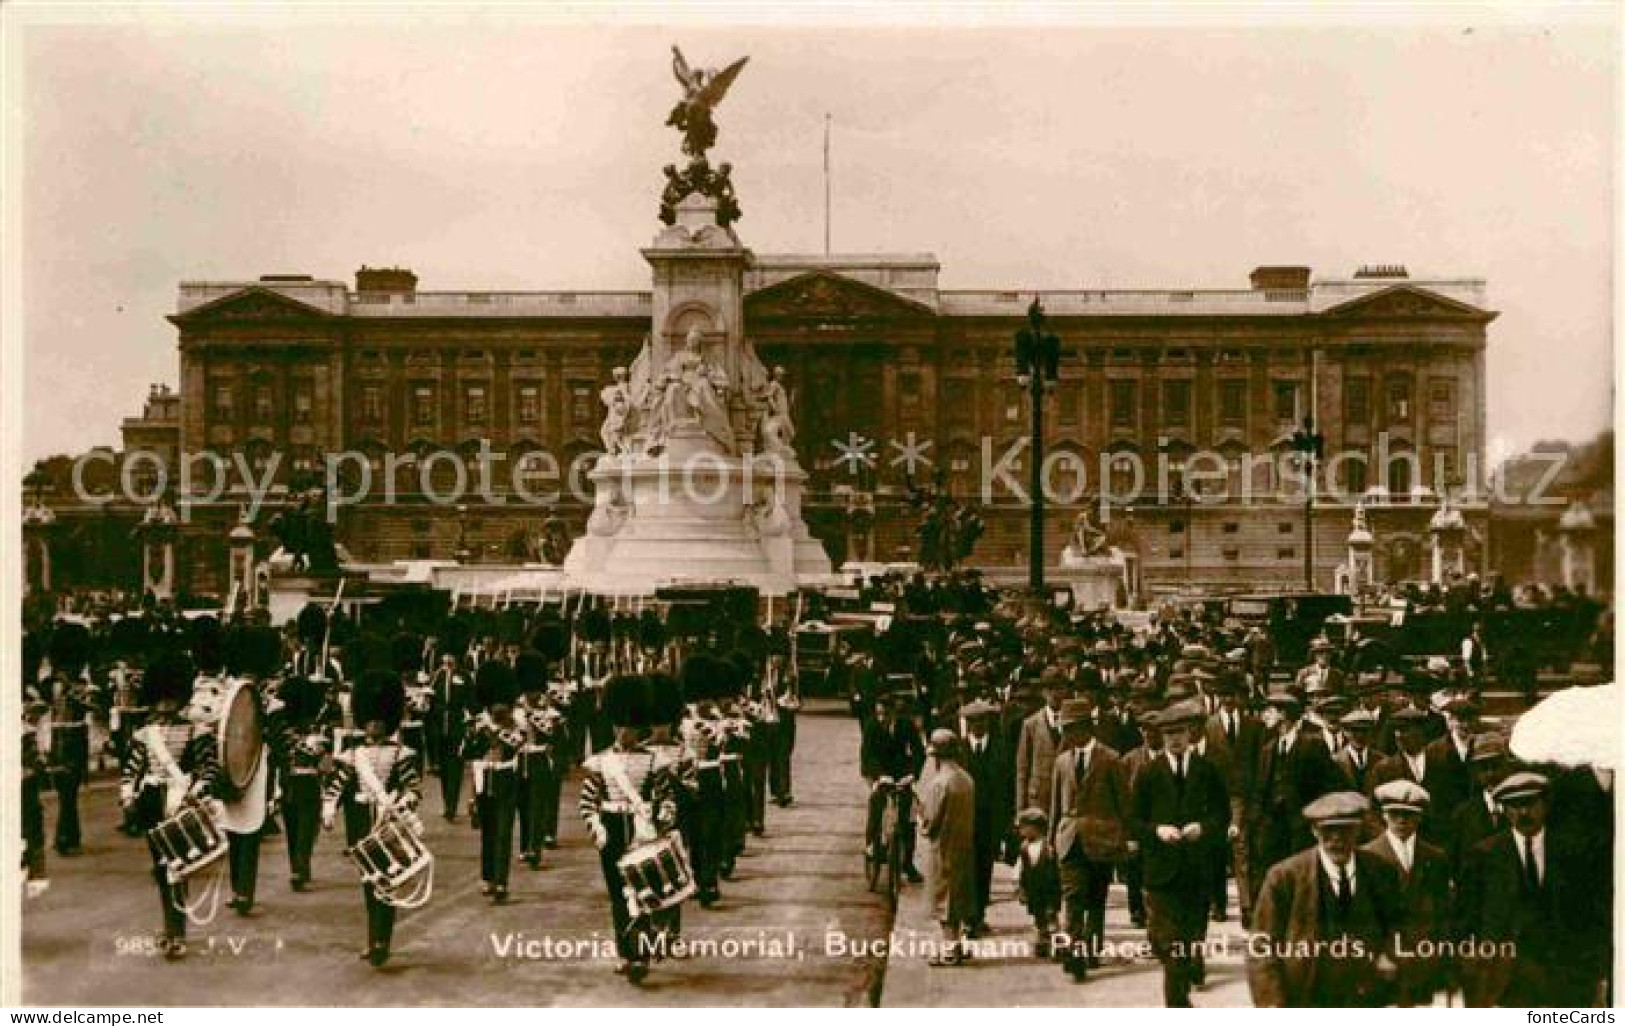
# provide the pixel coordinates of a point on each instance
(893, 753)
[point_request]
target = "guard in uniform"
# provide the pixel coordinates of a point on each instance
(378, 774)
(68, 752)
(541, 760)
(306, 753)
(447, 728)
(33, 777)
(783, 689)
(170, 761)
(254, 654)
(493, 747)
(700, 734)
(627, 798)
(665, 700)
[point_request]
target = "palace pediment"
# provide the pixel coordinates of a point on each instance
(825, 295)
(1406, 301)
(254, 305)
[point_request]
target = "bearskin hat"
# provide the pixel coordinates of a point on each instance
(406, 653)
(665, 698)
(311, 623)
(495, 684)
(168, 677)
(128, 637)
(742, 671)
(704, 677)
(301, 699)
(369, 651)
(208, 644)
(69, 647)
(378, 695)
(551, 640)
(593, 624)
(454, 636)
(651, 629)
(253, 651)
(626, 701)
(511, 626)
(530, 671)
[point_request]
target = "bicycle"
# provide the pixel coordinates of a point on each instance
(887, 852)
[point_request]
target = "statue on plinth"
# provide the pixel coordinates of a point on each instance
(1087, 537)
(702, 91)
(617, 400)
(690, 393)
(777, 431)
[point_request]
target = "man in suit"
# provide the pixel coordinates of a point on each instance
(1326, 920)
(1233, 736)
(1479, 815)
(1134, 764)
(984, 759)
(1423, 871)
(1089, 813)
(892, 747)
(1180, 813)
(1531, 906)
(1038, 745)
(1450, 783)
(1356, 760)
(1320, 675)
(1293, 770)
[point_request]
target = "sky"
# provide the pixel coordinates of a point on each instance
(490, 149)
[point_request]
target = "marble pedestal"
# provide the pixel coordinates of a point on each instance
(690, 516)
(1097, 582)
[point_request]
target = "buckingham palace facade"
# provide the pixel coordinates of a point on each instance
(281, 372)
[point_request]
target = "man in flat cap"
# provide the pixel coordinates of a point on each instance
(892, 749)
(988, 765)
(1324, 928)
(1479, 815)
(1449, 780)
(1293, 770)
(1356, 759)
(1181, 812)
(948, 821)
(1424, 878)
(1089, 814)
(1540, 935)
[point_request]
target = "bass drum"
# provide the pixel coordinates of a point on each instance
(241, 737)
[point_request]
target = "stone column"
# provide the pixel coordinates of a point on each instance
(1577, 531)
(158, 551)
(38, 523)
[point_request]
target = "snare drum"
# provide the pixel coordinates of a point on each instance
(657, 875)
(391, 858)
(187, 841)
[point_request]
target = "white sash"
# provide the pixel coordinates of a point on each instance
(643, 820)
(179, 783)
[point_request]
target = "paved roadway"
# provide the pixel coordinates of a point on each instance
(84, 939)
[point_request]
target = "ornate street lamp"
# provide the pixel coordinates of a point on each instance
(1038, 359)
(1310, 446)
(464, 553)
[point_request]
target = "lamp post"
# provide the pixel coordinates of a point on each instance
(1038, 358)
(464, 553)
(1310, 446)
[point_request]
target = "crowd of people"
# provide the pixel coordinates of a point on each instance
(1384, 844)
(1367, 817)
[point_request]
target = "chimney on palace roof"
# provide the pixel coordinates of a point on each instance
(1279, 279)
(386, 281)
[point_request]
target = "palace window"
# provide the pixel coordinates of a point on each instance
(423, 406)
(1124, 401)
(908, 396)
(958, 398)
(474, 404)
(530, 404)
(1286, 401)
(264, 404)
(1233, 402)
(1357, 401)
(1176, 402)
(1286, 553)
(1399, 397)
(1446, 466)
(1355, 477)
(302, 401)
(581, 411)
(372, 404)
(224, 409)
(1441, 400)
(1068, 403)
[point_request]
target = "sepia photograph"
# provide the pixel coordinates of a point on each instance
(678, 506)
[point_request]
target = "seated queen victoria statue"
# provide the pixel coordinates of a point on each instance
(688, 398)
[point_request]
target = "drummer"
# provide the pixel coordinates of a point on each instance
(302, 749)
(254, 655)
(379, 762)
(541, 772)
(627, 799)
(492, 747)
(170, 759)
